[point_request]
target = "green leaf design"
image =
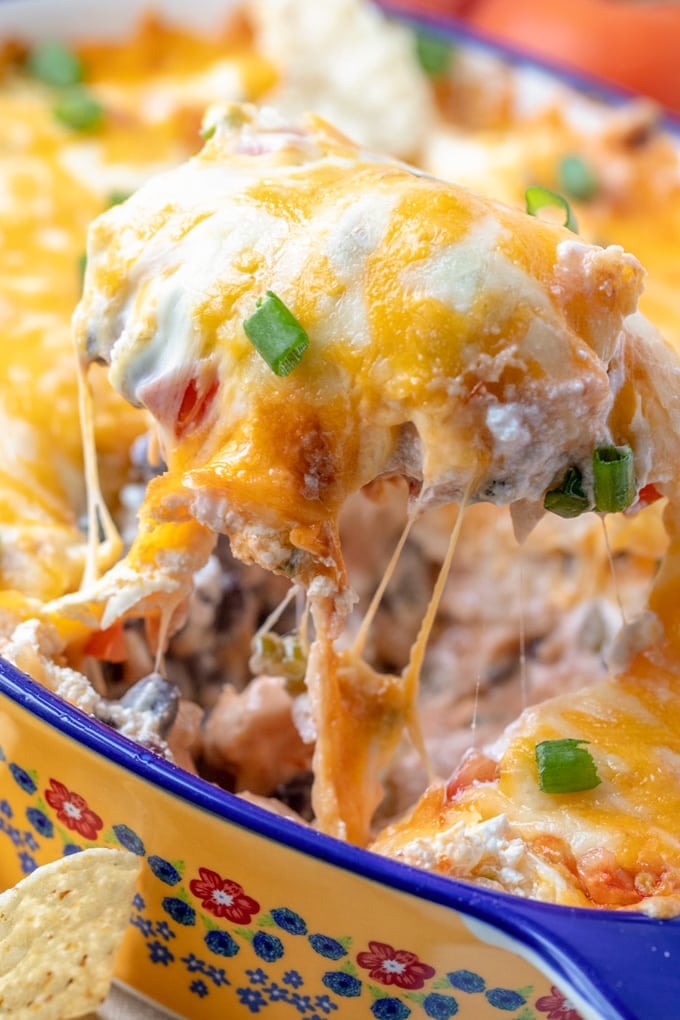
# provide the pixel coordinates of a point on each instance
(418, 997)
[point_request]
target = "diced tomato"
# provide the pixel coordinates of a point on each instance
(604, 881)
(108, 644)
(474, 767)
(648, 494)
(195, 404)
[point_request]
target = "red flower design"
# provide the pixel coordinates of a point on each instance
(393, 966)
(557, 1006)
(72, 810)
(222, 897)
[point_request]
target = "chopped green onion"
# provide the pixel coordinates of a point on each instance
(537, 198)
(565, 767)
(569, 500)
(276, 334)
(207, 132)
(613, 478)
(576, 178)
(79, 110)
(54, 64)
(433, 52)
(82, 266)
(285, 656)
(117, 197)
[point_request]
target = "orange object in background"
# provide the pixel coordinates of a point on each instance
(630, 43)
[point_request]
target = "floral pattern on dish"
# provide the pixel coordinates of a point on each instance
(253, 954)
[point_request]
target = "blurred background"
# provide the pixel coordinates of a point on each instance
(633, 44)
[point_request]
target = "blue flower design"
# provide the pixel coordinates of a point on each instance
(179, 911)
(40, 822)
(277, 993)
(390, 1009)
(14, 835)
(71, 848)
(159, 953)
(505, 998)
(27, 863)
(325, 1003)
(199, 988)
(467, 981)
(342, 983)
(293, 978)
(328, 947)
(289, 921)
(268, 947)
(129, 839)
(440, 1007)
(138, 902)
(221, 943)
(257, 976)
(30, 841)
(164, 870)
(194, 964)
(252, 998)
(301, 1002)
(164, 930)
(6, 808)
(143, 923)
(216, 975)
(22, 778)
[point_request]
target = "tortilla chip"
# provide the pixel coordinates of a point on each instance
(60, 929)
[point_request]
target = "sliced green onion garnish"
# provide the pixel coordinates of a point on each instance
(285, 656)
(117, 197)
(613, 478)
(569, 500)
(79, 110)
(207, 132)
(434, 53)
(82, 266)
(538, 198)
(54, 64)
(576, 178)
(564, 766)
(276, 334)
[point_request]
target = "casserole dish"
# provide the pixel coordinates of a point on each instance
(240, 909)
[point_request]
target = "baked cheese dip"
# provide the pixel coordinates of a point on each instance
(340, 466)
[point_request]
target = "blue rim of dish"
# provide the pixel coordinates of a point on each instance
(591, 86)
(566, 941)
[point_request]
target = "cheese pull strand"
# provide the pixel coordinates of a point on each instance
(369, 616)
(411, 675)
(100, 554)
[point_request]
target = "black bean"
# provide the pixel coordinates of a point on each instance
(156, 695)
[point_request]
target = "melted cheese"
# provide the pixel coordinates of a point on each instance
(453, 341)
(530, 125)
(480, 327)
(53, 182)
